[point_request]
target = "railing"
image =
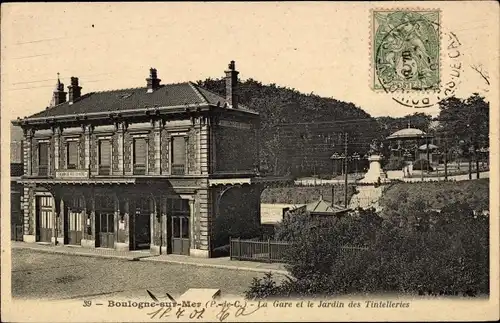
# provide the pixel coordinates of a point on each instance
(178, 169)
(272, 251)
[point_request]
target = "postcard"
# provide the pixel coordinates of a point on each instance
(250, 161)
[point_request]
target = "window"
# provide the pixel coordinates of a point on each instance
(140, 156)
(43, 158)
(72, 155)
(104, 157)
(178, 155)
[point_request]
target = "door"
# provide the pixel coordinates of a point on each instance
(74, 227)
(44, 218)
(180, 234)
(179, 212)
(106, 229)
(140, 225)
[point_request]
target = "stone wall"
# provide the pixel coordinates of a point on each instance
(235, 149)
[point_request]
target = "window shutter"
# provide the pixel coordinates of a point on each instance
(72, 154)
(104, 153)
(140, 151)
(178, 150)
(43, 156)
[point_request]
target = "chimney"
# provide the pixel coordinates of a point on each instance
(74, 90)
(58, 96)
(231, 86)
(153, 80)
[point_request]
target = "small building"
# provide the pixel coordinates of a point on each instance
(274, 213)
(144, 168)
(322, 207)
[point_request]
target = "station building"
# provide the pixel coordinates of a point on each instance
(141, 168)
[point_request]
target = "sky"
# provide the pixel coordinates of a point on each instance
(321, 48)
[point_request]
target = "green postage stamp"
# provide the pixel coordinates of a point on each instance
(405, 50)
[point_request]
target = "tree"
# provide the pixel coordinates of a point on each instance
(465, 123)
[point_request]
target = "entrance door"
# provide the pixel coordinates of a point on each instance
(180, 234)
(180, 230)
(140, 229)
(106, 223)
(44, 218)
(74, 227)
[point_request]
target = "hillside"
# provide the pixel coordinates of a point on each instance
(436, 195)
(299, 132)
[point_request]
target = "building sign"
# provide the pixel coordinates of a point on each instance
(234, 124)
(67, 173)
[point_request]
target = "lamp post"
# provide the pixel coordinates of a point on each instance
(355, 157)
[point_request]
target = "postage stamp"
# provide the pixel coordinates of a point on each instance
(405, 50)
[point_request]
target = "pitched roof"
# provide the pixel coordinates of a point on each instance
(168, 95)
(322, 206)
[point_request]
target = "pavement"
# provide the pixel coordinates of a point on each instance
(55, 276)
(146, 256)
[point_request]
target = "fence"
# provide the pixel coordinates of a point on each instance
(271, 251)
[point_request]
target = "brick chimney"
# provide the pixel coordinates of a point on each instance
(153, 80)
(74, 90)
(232, 86)
(58, 96)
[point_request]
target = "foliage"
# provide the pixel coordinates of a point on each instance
(420, 252)
(399, 199)
(292, 142)
(422, 164)
(464, 125)
(304, 194)
(394, 163)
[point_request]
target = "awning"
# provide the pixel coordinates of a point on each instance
(250, 180)
(77, 181)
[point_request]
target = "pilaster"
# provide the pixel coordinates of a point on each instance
(57, 142)
(157, 146)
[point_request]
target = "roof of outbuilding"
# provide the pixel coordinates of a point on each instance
(168, 95)
(322, 206)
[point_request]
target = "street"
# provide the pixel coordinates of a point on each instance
(39, 275)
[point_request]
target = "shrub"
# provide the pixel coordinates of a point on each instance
(395, 163)
(416, 250)
(422, 164)
(262, 288)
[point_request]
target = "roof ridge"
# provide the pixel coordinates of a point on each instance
(223, 98)
(212, 92)
(117, 90)
(198, 92)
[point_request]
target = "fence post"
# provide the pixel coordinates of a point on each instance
(269, 249)
(239, 248)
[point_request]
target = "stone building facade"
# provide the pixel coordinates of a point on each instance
(143, 168)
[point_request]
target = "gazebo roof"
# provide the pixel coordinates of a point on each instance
(408, 133)
(431, 147)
